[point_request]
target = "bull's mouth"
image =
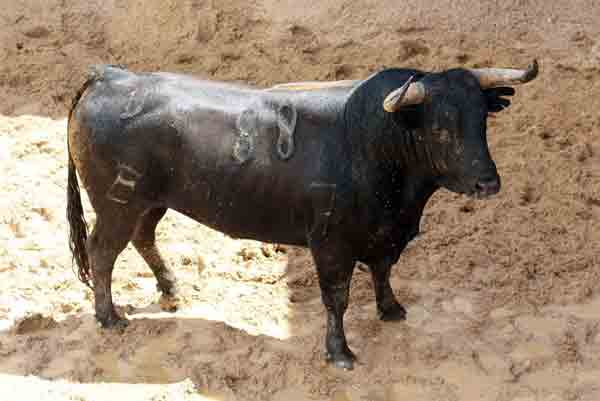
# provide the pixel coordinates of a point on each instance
(486, 188)
(479, 189)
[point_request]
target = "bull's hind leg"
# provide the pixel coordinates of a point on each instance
(388, 308)
(112, 231)
(144, 240)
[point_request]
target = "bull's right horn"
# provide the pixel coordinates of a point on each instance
(409, 93)
(494, 77)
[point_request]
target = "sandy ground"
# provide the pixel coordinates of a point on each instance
(503, 296)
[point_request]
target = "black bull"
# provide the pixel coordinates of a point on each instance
(344, 168)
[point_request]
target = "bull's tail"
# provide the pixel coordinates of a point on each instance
(78, 228)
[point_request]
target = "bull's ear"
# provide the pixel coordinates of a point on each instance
(498, 98)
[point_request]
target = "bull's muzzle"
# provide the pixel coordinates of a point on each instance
(487, 186)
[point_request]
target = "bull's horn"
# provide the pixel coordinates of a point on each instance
(494, 77)
(409, 93)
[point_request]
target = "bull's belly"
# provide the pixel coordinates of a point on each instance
(262, 198)
(245, 215)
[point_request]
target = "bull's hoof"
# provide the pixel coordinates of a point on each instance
(341, 360)
(113, 322)
(392, 313)
(170, 302)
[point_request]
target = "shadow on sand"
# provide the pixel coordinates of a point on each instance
(161, 348)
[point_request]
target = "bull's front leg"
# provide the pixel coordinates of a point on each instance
(335, 264)
(388, 308)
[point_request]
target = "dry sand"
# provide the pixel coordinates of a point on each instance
(503, 296)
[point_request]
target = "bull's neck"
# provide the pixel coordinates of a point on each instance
(392, 176)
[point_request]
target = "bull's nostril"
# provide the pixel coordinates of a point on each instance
(488, 186)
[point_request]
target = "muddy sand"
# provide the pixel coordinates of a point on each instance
(503, 296)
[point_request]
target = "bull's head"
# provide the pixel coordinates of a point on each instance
(455, 107)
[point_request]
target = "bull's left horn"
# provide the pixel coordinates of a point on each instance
(409, 93)
(495, 77)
